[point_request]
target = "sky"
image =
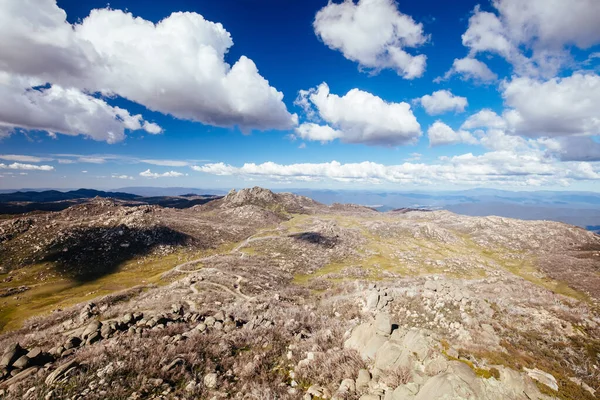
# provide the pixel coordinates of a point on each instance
(369, 94)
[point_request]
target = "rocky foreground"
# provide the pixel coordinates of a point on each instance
(275, 296)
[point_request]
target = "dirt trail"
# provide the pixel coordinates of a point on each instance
(181, 268)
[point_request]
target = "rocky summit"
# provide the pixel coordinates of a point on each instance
(259, 295)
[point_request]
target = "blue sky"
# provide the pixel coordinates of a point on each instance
(376, 94)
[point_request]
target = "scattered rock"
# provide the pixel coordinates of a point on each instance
(22, 362)
(319, 392)
(173, 364)
(210, 380)
(72, 342)
(347, 386)
(92, 327)
(383, 324)
(19, 377)
(362, 382)
(60, 371)
(93, 337)
(11, 354)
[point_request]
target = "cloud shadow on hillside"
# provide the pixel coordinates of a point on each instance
(315, 238)
(87, 254)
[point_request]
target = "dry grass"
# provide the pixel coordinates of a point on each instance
(396, 377)
(248, 362)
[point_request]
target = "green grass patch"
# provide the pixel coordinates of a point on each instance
(50, 291)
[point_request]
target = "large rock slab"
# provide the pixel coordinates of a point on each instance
(542, 377)
(367, 338)
(59, 372)
(11, 354)
(446, 386)
(383, 324)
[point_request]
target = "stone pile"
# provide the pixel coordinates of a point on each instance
(18, 363)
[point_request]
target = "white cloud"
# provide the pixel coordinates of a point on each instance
(171, 174)
(441, 134)
(323, 133)
(90, 160)
(535, 35)
(166, 163)
(560, 115)
(66, 111)
(361, 117)
(27, 167)
(23, 158)
(178, 65)
(442, 101)
(497, 139)
(84, 172)
(557, 107)
(498, 168)
(470, 68)
(5, 132)
(374, 34)
(486, 33)
(485, 118)
(127, 177)
(216, 169)
(552, 24)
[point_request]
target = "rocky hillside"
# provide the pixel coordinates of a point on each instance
(264, 198)
(260, 295)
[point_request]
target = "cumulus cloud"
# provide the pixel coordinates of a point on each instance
(373, 33)
(498, 139)
(27, 167)
(220, 169)
(323, 133)
(178, 65)
(171, 174)
(557, 107)
(67, 111)
(469, 68)
(534, 36)
(441, 134)
(441, 102)
(485, 118)
(385, 124)
(552, 24)
(559, 114)
(498, 167)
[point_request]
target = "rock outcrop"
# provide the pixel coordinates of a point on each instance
(412, 364)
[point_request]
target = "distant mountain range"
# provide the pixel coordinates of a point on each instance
(53, 200)
(576, 208)
(55, 195)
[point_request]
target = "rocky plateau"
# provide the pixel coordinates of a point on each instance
(258, 295)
